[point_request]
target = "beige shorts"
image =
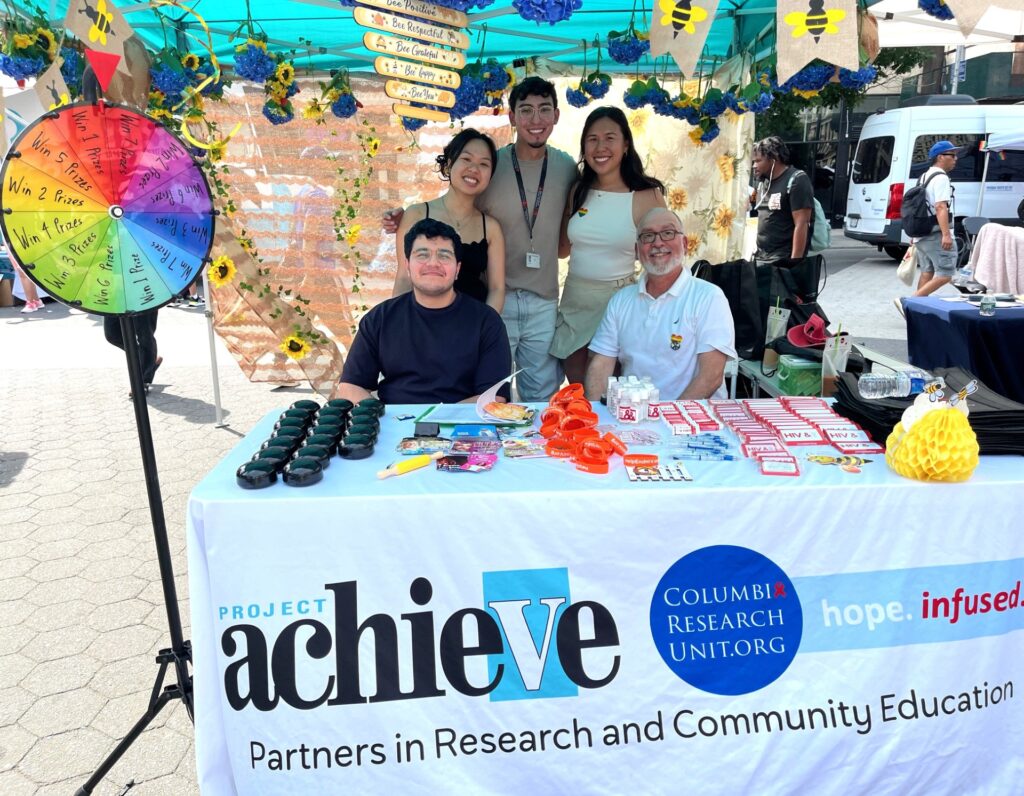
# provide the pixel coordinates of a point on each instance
(580, 311)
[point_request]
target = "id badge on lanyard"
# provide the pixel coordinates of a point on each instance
(532, 256)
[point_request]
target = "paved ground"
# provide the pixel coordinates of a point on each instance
(81, 614)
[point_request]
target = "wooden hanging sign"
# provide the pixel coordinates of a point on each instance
(417, 51)
(414, 92)
(417, 8)
(419, 113)
(412, 28)
(421, 73)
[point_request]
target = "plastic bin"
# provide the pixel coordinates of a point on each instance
(799, 376)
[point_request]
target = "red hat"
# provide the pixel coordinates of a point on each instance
(811, 335)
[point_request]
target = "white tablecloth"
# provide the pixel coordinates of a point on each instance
(528, 543)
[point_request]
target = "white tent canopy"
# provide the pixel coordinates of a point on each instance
(1001, 141)
(902, 24)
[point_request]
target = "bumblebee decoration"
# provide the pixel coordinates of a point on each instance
(933, 390)
(101, 19)
(969, 389)
(816, 21)
(848, 464)
(59, 100)
(681, 14)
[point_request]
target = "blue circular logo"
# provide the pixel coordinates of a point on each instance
(726, 619)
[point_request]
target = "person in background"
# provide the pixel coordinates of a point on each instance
(784, 201)
(526, 195)
(32, 301)
(432, 344)
(671, 326)
(145, 336)
(936, 251)
(466, 164)
(598, 232)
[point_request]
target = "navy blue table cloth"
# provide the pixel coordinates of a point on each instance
(949, 334)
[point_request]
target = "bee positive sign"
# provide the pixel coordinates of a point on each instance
(680, 27)
(430, 36)
(809, 29)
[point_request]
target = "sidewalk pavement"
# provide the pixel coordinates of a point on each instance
(81, 609)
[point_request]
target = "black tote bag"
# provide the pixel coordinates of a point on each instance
(793, 285)
(738, 280)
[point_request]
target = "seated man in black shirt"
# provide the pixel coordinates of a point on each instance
(433, 344)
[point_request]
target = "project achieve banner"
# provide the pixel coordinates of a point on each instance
(421, 644)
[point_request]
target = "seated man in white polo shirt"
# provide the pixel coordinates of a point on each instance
(670, 326)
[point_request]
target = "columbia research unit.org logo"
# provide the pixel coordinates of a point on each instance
(726, 620)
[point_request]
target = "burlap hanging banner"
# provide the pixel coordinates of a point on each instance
(100, 26)
(809, 29)
(680, 27)
(52, 90)
(968, 13)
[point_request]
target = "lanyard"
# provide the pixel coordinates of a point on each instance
(530, 222)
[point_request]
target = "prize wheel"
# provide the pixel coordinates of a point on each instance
(105, 209)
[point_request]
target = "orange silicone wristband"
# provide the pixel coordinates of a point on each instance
(559, 448)
(640, 460)
(595, 466)
(617, 444)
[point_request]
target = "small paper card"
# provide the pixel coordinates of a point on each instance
(859, 447)
(475, 463)
(518, 448)
(411, 446)
(469, 445)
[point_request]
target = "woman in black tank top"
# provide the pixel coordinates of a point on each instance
(467, 164)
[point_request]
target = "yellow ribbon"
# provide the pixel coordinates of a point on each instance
(207, 144)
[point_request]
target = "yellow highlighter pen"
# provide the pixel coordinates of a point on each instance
(410, 464)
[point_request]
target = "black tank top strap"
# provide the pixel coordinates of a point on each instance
(483, 220)
(426, 206)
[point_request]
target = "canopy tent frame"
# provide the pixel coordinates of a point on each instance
(1010, 141)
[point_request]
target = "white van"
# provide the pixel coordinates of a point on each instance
(893, 152)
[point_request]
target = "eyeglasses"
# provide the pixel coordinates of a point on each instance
(544, 112)
(666, 235)
(443, 256)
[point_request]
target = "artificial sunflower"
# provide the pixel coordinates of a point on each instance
(285, 74)
(695, 135)
(638, 119)
(806, 94)
(22, 41)
(47, 38)
(216, 151)
(678, 198)
(722, 222)
(352, 234)
(247, 245)
(315, 111)
(255, 43)
(727, 167)
(221, 271)
(156, 97)
(373, 147)
(190, 61)
(692, 244)
(161, 113)
(295, 347)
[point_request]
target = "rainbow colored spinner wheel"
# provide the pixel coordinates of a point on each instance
(105, 209)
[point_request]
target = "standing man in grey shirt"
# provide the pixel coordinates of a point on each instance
(527, 196)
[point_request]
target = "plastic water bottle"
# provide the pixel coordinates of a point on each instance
(964, 276)
(897, 385)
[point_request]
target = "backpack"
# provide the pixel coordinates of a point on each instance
(916, 218)
(821, 230)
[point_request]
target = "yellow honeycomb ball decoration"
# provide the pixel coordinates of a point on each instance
(940, 446)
